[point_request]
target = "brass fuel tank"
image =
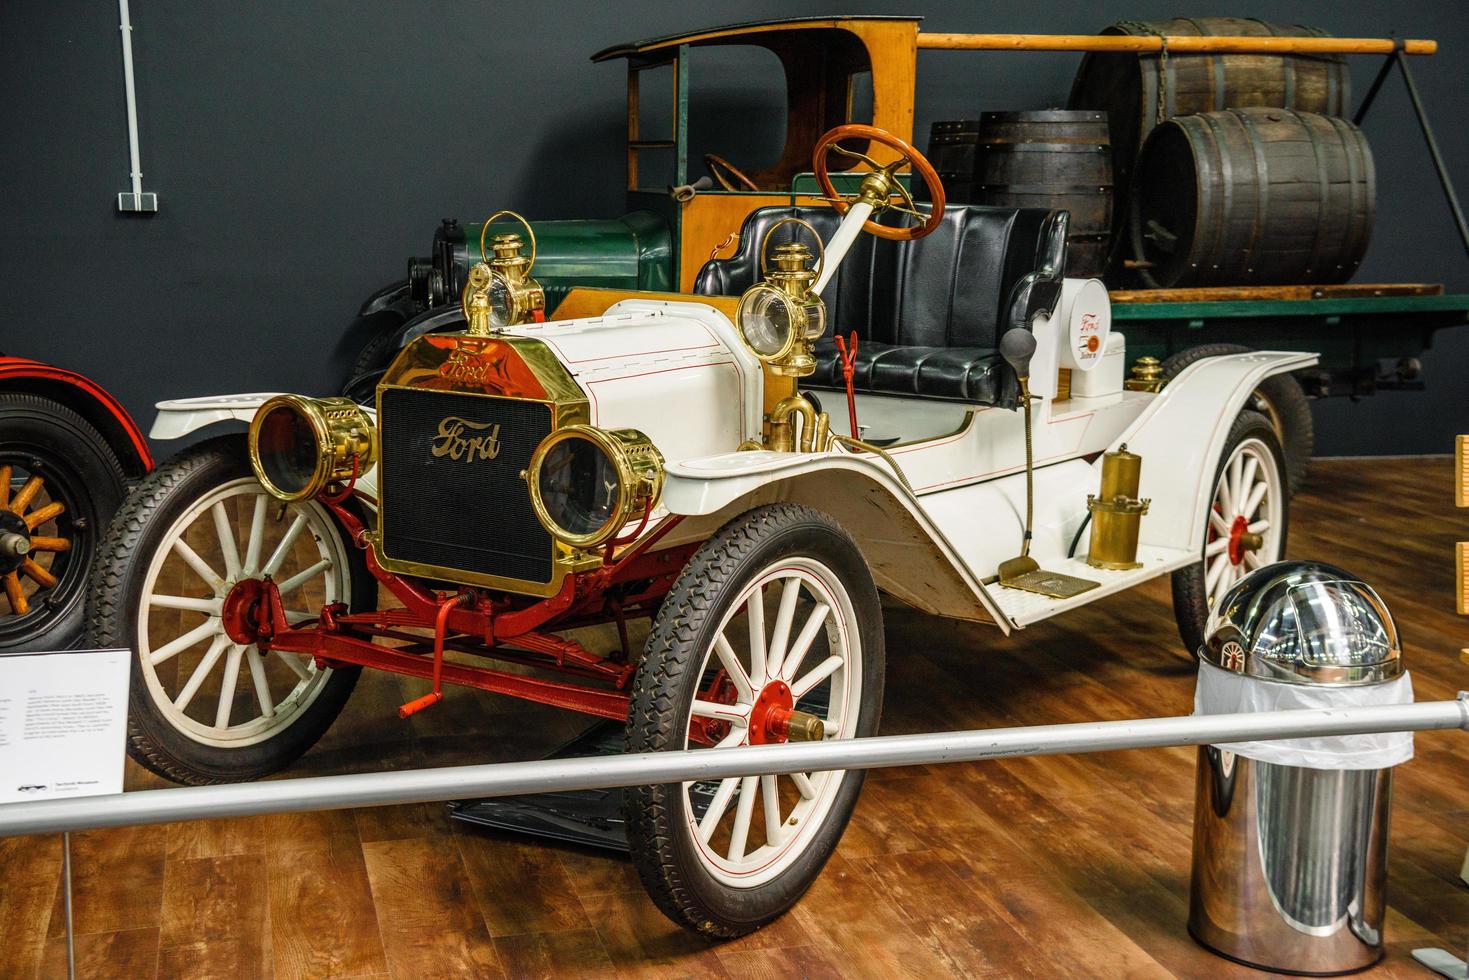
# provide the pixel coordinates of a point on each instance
(1117, 512)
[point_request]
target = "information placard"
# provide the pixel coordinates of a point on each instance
(63, 721)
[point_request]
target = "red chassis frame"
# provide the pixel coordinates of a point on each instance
(476, 622)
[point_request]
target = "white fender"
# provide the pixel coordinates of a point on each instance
(1181, 434)
(177, 417)
(908, 554)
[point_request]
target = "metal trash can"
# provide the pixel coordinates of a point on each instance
(1290, 837)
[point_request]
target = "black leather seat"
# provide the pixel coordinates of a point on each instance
(928, 314)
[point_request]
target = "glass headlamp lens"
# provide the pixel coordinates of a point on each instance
(502, 301)
(288, 450)
(579, 486)
(586, 483)
(815, 316)
(766, 321)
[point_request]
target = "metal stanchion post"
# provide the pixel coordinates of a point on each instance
(71, 948)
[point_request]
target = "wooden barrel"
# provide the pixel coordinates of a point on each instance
(1053, 158)
(951, 151)
(1138, 91)
(1252, 197)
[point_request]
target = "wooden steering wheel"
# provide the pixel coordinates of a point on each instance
(718, 166)
(908, 156)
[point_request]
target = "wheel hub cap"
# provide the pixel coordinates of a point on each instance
(1242, 541)
(15, 541)
(241, 611)
(770, 718)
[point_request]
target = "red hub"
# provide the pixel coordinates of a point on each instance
(243, 609)
(1237, 531)
(770, 717)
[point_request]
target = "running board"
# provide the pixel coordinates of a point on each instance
(1025, 608)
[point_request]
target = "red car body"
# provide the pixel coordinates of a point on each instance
(88, 399)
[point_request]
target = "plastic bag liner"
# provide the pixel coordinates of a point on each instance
(1221, 692)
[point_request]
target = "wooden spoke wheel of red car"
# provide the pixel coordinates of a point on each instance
(773, 631)
(59, 485)
(186, 559)
(1246, 523)
(900, 199)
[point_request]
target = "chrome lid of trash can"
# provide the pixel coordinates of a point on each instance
(1304, 622)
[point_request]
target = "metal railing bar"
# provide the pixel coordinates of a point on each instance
(606, 772)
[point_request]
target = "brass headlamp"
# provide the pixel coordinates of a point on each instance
(499, 291)
(779, 318)
(586, 483)
(299, 446)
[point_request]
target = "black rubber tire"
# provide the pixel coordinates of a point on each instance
(657, 830)
(1190, 598)
(121, 566)
(78, 459)
(382, 328)
(1279, 397)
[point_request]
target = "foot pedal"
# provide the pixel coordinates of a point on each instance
(1056, 585)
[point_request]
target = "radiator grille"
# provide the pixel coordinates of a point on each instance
(470, 513)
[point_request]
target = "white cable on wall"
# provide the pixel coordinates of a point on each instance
(136, 200)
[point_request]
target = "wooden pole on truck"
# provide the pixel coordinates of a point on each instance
(1183, 44)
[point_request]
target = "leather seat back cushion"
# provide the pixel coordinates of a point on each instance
(928, 314)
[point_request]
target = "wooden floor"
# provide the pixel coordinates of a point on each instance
(1064, 866)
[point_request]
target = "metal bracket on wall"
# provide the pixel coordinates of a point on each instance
(135, 200)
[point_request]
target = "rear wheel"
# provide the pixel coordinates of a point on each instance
(193, 539)
(1247, 524)
(1279, 398)
(59, 485)
(773, 627)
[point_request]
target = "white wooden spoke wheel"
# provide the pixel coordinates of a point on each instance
(788, 647)
(772, 633)
(180, 582)
(1244, 523)
(207, 683)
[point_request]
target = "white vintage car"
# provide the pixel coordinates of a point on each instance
(525, 479)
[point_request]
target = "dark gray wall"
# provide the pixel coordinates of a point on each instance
(302, 151)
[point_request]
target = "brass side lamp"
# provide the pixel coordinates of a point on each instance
(499, 291)
(780, 318)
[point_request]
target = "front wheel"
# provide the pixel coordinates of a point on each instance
(189, 545)
(1247, 524)
(773, 631)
